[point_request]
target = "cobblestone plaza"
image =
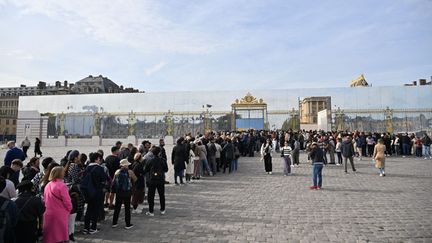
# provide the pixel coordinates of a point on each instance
(251, 206)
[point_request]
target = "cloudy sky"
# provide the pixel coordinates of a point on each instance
(173, 45)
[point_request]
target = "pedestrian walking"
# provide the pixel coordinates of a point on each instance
(379, 156)
(286, 156)
(348, 153)
(25, 145)
(37, 149)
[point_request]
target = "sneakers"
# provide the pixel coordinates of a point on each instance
(270, 173)
(129, 226)
(381, 174)
(318, 188)
(149, 214)
(163, 212)
(313, 187)
(114, 226)
(71, 238)
(93, 231)
(136, 211)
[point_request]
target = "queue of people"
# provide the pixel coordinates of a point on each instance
(81, 187)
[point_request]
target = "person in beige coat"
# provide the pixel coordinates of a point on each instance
(379, 156)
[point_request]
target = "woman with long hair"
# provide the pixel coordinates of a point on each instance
(58, 206)
(266, 153)
(379, 156)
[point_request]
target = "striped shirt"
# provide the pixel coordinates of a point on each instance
(286, 151)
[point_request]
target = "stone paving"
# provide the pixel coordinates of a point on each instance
(251, 206)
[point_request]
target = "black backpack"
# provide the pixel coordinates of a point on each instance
(156, 172)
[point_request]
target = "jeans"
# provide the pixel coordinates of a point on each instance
(94, 206)
(405, 149)
(71, 224)
(151, 194)
(426, 151)
(234, 165)
(178, 173)
(205, 167)
(381, 170)
(339, 155)
(317, 174)
(287, 165)
(296, 157)
(119, 200)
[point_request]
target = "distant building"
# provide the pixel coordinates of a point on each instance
(420, 82)
(310, 106)
(359, 82)
(9, 97)
(99, 84)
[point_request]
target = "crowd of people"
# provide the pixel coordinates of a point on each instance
(82, 187)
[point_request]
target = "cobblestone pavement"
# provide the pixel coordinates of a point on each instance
(251, 206)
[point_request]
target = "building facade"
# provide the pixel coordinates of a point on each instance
(9, 97)
(93, 117)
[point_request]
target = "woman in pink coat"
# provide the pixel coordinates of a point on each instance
(58, 207)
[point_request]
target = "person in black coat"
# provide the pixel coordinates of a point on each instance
(348, 153)
(95, 196)
(30, 211)
(156, 167)
(178, 158)
(37, 149)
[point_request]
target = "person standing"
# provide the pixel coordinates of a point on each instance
(93, 183)
(348, 153)
(37, 149)
(190, 165)
(178, 158)
(339, 151)
(286, 155)
(379, 156)
(58, 207)
(123, 179)
(113, 164)
(156, 168)
(296, 153)
(31, 209)
(266, 153)
(13, 153)
(228, 151)
(426, 146)
(25, 145)
(317, 156)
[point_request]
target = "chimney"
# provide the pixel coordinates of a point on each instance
(57, 84)
(22, 85)
(65, 83)
(422, 81)
(414, 83)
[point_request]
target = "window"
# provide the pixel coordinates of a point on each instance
(14, 122)
(7, 121)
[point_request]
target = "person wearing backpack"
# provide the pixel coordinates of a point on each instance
(156, 168)
(30, 211)
(8, 216)
(123, 179)
(92, 186)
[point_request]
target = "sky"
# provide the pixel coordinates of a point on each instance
(173, 45)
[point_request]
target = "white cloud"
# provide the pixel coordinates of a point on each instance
(137, 24)
(150, 71)
(16, 54)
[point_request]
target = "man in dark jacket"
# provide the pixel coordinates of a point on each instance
(348, 153)
(156, 167)
(97, 180)
(13, 153)
(317, 156)
(178, 159)
(31, 210)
